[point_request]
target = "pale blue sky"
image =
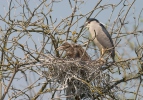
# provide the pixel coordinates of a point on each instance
(62, 10)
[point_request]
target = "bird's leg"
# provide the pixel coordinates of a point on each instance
(102, 52)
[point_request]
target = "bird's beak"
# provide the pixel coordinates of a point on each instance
(82, 26)
(60, 48)
(85, 24)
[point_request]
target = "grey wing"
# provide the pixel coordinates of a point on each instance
(104, 38)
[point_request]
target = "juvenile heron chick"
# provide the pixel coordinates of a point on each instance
(74, 51)
(100, 36)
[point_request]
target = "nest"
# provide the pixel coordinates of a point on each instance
(79, 79)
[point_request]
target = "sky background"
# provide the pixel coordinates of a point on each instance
(62, 10)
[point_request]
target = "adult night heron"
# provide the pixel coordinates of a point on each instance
(100, 36)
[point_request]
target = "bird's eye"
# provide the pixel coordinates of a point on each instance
(87, 22)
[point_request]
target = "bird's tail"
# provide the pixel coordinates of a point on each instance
(113, 54)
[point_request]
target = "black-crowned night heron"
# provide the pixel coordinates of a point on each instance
(74, 51)
(100, 36)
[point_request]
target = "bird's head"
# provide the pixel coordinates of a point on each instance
(65, 46)
(89, 21)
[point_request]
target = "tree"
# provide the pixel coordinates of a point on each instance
(32, 68)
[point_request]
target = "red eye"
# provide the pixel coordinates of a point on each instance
(87, 22)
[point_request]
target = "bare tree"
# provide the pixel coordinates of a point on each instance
(32, 67)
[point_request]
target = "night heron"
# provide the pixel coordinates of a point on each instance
(100, 36)
(74, 51)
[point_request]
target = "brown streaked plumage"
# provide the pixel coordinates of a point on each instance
(74, 51)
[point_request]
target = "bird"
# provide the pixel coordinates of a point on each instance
(100, 36)
(74, 51)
